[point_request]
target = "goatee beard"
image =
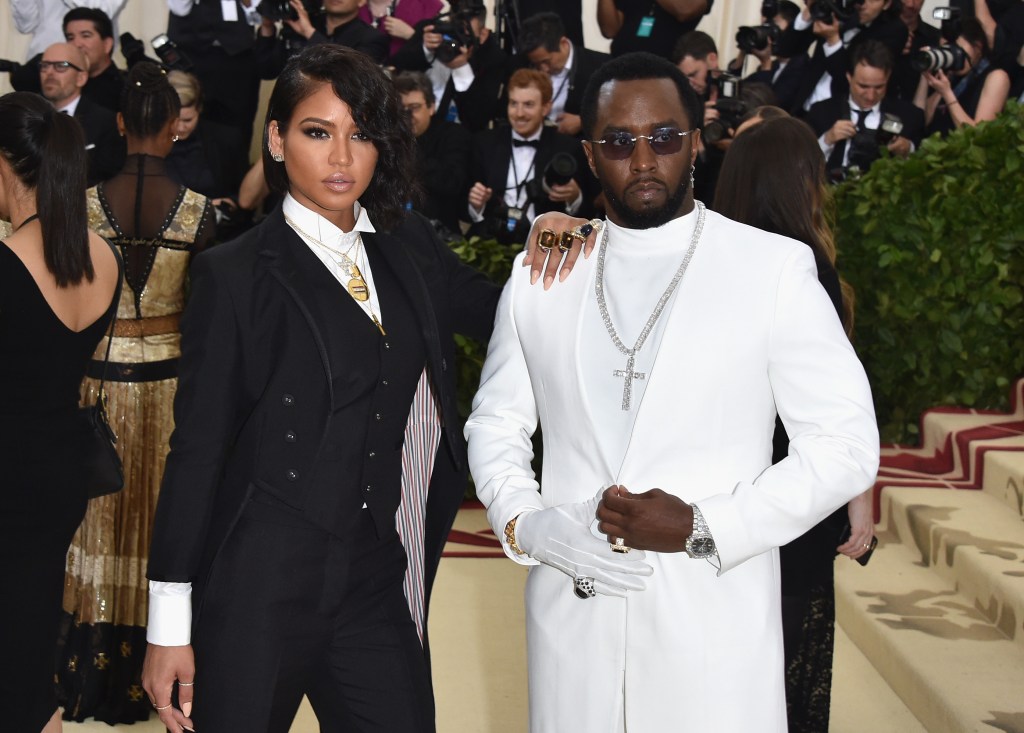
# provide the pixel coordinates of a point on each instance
(631, 218)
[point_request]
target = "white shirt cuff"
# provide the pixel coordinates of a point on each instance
(825, 147)
(800, 24)
(831, 49)
(170, 614)
(474, 215)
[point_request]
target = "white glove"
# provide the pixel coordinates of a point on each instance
(560, 536)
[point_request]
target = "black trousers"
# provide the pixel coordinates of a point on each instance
(291, 610)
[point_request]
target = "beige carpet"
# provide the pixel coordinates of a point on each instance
(477, 636)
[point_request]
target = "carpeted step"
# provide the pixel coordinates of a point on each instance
(973, 541)
(1004, 476)
(951, 666)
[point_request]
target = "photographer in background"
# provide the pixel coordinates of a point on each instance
(779, 67)
(304, 23)
(966, 88)
(851, 130)
(919, 35)
(466, 67)
(523, 170)
(442, 154)
(545, 46)
(839, 26)
(92, 32)
(218, 39)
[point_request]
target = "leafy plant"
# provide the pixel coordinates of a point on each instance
(934, 246)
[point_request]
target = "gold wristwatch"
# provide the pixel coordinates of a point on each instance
(510, 535)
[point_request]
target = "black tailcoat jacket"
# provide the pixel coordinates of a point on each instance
(268, 379)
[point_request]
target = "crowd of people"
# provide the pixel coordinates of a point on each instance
(385, 108)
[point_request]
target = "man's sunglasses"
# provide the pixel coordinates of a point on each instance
(620, 145)
(59, 66)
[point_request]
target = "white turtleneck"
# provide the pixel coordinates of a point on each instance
(639, 265)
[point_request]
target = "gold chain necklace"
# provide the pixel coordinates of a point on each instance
(357, 286)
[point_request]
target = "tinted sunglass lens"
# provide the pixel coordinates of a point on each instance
(667, 145)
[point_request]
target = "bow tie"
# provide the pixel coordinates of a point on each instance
(525, 143)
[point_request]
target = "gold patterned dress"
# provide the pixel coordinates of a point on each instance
(105, 594)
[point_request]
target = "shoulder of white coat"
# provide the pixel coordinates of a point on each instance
(743, 248)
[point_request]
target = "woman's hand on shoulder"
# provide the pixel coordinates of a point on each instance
(554, 261)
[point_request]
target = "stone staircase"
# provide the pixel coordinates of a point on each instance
(939, 610)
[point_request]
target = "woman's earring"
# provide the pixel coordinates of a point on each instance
(278, 157)
(174, 139)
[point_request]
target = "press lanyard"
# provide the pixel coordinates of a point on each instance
(515, 174)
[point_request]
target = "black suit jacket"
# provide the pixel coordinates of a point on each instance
(825, 113)
(787, 85)
(442, 158)
(105, 147)
(492, 155)
(261, 359)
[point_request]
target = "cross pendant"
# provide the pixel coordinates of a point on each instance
(630, 375)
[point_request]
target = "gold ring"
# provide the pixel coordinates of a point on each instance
(547, 240)
(565, 242)
(185, 684)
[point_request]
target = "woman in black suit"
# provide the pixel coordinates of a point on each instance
(316, 393)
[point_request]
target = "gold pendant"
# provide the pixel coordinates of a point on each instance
(358, 290)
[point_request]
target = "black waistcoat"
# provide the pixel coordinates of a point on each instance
(205, 26)
(375, 377)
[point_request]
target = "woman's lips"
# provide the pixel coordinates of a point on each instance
(339, 185)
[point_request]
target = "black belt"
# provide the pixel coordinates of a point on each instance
(149, 371)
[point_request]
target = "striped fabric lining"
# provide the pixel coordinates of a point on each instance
(422, 437)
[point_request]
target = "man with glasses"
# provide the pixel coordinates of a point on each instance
(63, 72)
(657, 372)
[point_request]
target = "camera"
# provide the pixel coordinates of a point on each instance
(866, 145)
(133, 50)
(950, 22)
(560, 170)
(456, 32)
(278, 10)
(731, 109)
(170, 55)
(946, 58)
(6, 65)
(756, 38)
(828, 11)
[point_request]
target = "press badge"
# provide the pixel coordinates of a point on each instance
(646, 26)
(229, 9)
(514, 215)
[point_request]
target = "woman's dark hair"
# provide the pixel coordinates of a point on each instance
(148, 101)
(46, 151)
(376, 108)
(635, 67)
(972, 31)
(773, 178)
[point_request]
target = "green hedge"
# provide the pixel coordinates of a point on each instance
(933, 247)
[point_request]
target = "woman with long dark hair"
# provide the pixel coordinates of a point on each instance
(316, 399)
(157, 225)
(57, 286)
(773, 178)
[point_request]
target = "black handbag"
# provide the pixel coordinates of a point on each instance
(104, 472)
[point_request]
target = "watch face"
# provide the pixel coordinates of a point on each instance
(702, 546)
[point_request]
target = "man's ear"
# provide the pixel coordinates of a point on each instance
(108, 46)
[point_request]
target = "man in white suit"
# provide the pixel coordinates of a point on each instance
(656, 371)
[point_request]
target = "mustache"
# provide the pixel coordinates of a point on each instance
(646, 180)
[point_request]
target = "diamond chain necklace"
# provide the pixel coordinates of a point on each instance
(628, 373)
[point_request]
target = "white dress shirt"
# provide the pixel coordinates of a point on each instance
(560, 85)
(184, 7)
(823, 89)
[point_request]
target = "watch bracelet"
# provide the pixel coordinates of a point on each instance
(510, 535)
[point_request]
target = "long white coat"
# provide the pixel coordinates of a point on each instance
(750, 331)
